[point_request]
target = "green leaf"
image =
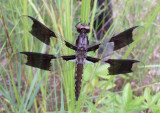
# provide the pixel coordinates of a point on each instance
(94, 81)
(4, 92)
(35, 93)
(118, 100)
(138, 100)
(127, 94)
(102, 84)
(102, 71)
(155, 98)
(155, 109)
(85, 10)
(147, 95)
(88, 69)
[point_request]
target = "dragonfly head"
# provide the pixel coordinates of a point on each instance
(83, 28)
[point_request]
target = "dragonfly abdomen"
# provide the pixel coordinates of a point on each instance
(78, 78)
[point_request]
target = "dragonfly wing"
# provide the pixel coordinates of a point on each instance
(70, 46)
(93, 60)
(93, 48)
(41, 32)
(123, 39)
(70, 57)
(39, 60)
(120, 66)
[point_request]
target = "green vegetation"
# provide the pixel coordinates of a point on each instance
(27, 89)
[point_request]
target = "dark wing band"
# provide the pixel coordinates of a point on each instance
(39, 60)
(123, 39)
(120, 66)
(41, 32)
(93, 60)
(71, 57)
(93, 48)
(70, 46)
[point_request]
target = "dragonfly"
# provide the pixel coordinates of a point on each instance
(81, 48)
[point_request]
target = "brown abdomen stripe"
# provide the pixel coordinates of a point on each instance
(78, 79)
